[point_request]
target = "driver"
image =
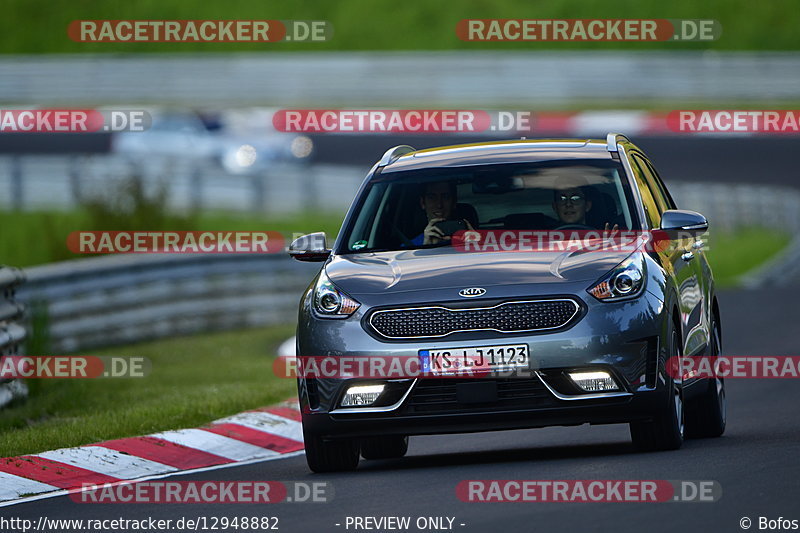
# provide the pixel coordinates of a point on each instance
(438, 200)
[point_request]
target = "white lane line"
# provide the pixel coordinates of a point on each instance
(12, 487)
(108, 462)
(206, 441)
(268, 423)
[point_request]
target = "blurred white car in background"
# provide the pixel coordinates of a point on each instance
(241, 141)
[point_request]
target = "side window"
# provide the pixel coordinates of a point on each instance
(651, 207)
(659, 183)
(650, 179)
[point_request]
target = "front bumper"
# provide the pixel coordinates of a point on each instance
(622, 337)
(637, 407)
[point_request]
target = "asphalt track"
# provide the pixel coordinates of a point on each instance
(755, 462)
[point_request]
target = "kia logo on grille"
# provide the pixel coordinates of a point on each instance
(472, 292)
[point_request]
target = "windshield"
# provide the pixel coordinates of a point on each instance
(423, 208)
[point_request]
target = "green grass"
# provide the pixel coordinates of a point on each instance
(193, 381)
(40, 237)
(733, 254)
(294, 223)
(40, 26)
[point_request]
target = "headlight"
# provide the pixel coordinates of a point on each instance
(625, 281)
(330, 301)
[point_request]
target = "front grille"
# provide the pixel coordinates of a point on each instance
(509, 317)
(441, 395)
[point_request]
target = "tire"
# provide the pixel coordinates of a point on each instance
(330, 456)
(706, 417)
(387, 447)
(665, 431)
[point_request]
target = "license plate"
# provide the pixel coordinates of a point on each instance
(478, 359)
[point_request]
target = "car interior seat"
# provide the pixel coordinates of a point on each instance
(604, 210)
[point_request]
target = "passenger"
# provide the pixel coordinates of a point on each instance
(571, 202)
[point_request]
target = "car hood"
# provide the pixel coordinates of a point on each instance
(442, 268)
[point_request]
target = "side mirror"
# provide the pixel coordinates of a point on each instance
(681, 224)
(311, 247)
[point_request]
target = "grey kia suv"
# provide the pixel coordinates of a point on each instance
(507, 336)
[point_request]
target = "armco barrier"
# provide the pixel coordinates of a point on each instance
(12, 333)
(446, 79)
(112, 300)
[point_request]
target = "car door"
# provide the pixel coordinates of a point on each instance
(686, 264)
(699, 332)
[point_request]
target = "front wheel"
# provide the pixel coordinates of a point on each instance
(330, 456)
(665, 431)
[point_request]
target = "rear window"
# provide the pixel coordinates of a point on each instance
(395, 210)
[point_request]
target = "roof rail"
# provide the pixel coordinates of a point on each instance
(392, 154)
(612, 139)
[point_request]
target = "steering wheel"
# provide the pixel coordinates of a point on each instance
(397, 233)
(575, 226)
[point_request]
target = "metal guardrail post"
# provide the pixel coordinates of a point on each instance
(258, 193)
(17, 191)
(75, 184)
(12, 333)
(196, 189)
(309, 193)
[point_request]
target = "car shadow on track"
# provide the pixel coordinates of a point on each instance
(500, 455)
(535, 454)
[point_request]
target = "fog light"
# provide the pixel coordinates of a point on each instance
(594, 381)
(361, 395)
